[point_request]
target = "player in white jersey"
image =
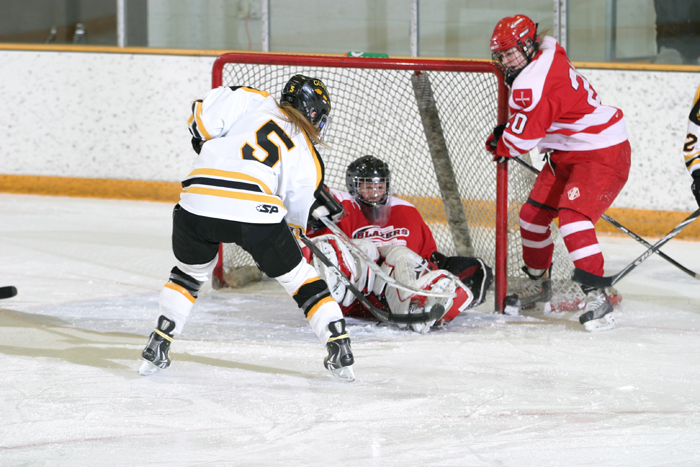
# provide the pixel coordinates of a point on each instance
(253, 181)
(691, 148)
(554, 108)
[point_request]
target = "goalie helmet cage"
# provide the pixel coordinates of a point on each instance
(428, 119)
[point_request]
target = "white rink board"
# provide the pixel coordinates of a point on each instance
(124, 116)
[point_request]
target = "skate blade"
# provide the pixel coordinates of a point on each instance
(148, 368)
(345, 373)
(565, 306)
(605, 323)
(422, 328)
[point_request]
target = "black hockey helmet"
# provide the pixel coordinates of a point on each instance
(368, 180)
(310, 97)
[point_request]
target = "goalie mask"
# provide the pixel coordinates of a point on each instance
(514, 44)
(368, 181)
(310, 97)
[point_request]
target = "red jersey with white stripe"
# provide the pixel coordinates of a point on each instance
(405, 226)
(554, 107)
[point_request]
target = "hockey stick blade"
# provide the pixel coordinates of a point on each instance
(379, 272)
(624, 229)
(8, 291)
(435, 313)
(591, 280)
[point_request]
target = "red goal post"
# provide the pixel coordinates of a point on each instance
(429, 120)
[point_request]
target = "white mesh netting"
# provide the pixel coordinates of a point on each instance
(375, 111)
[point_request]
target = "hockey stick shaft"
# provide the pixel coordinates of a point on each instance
(624, 229)
(649, 245)
(591, 280)
(434, 314)
(390, 281)
(8, 291)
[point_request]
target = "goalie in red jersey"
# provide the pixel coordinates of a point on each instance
(554, 108)
(392, 232)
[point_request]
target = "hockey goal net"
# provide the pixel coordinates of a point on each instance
(428, 119)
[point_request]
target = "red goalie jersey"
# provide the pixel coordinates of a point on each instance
(404, 227)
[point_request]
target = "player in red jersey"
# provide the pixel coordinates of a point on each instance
(554, 108)
(392, 232)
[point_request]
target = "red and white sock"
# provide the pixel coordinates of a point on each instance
(581, 241)
(536, 236)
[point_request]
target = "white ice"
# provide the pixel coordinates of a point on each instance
(247, 386)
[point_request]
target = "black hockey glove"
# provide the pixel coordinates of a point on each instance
(197, 144)
(325, 206)
(438, 259)
(695, 187)
(492, 142)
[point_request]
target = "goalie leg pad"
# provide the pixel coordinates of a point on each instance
(366, 275)
(409, 268)
(438, 281)
(401, 263)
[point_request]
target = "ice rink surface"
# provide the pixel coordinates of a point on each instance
(247, 386)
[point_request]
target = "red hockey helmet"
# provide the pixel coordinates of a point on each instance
(518, 32)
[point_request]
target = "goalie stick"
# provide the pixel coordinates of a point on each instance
(390, 281)
(435, 313)
(624, 229)
(599, 282)
(8, 291)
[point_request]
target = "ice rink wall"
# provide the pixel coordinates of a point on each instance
(112, 122)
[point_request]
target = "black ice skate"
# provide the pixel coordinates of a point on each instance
(597, 315)
(339, 360)
(537, 290)
(155, 355)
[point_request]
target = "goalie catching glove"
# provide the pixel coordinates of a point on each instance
(325, 206)
(473, 273)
